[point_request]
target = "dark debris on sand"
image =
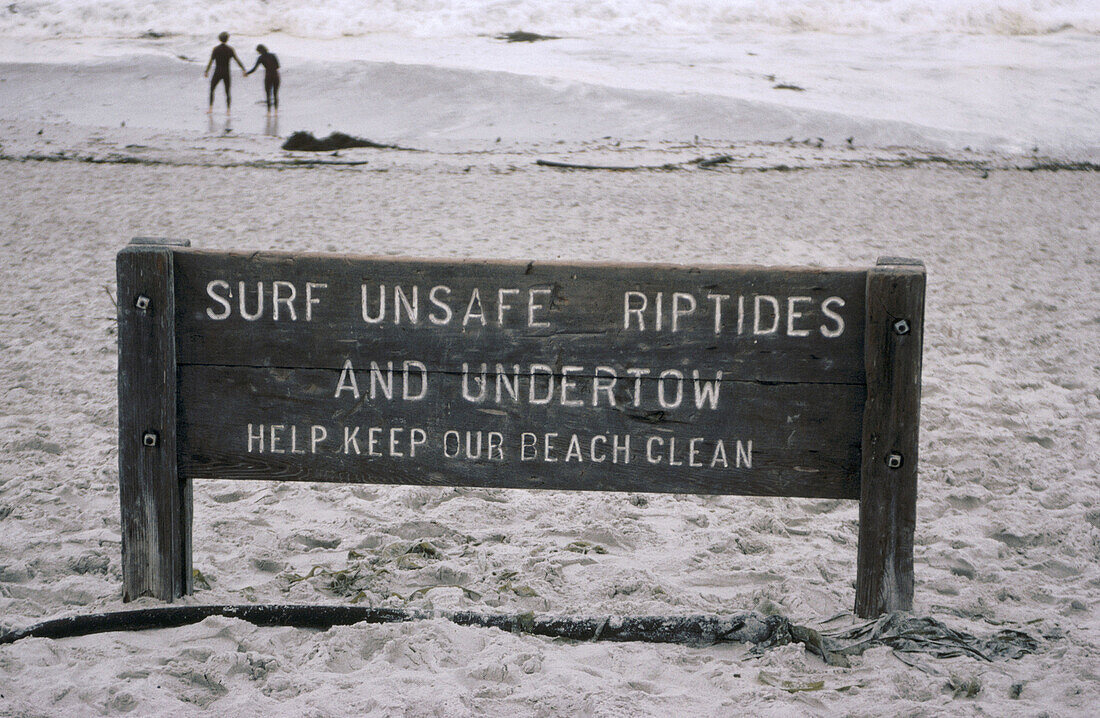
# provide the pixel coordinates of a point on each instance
(523, 36)
(305, 142)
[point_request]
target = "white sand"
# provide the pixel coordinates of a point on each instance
(965, 120)
(1008, 531)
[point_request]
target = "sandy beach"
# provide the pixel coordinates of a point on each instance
(1007, 532)
(909, 145)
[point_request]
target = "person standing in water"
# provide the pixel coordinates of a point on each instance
(271, 76)
(220, 58)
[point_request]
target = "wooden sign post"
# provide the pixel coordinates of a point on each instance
(612, 377)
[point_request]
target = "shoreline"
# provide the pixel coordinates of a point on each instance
(1017, 96)
(26, 141)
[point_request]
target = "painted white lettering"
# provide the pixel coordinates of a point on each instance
(718, 299)
(294, 440)
(573, 453)
(440, 304)
(568, 385)
(719, 455)
(672, 453)
(637, 374)
(496, 446)
(630, 309)
(592, 454)
(470, 453)
(706, 391)
(347, 381)
(273, 441)
(277, 299)
(533, 306)
(227, 308)
(503, 384)
(481, 381)
(793, 314)
(394, 431)
(678, 311)
(448, 437)
(661, 398)
(380, 382)
(834, 332)
(258, 436)
(605, 384)
(531, 392)
(693, 452)
(407, 367)
(412, 309)
(259, 301)
(310, 299)
(367, 317)
(472, 312)
(650, 455)
(317, 434)
(502, 303)
(547, 445)
(351, 440)
(744, 454)
(757, 326)
(528, 449)
(620, 449)
(417, 437)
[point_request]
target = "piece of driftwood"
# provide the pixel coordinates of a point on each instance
(606, 168)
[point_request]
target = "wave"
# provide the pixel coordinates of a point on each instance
(442, 18)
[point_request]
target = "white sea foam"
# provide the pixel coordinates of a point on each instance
(442, 18)
(890, 72)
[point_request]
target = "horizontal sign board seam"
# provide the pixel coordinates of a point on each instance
(475, 370)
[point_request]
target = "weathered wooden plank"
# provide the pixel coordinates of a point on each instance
(895, 331)
(707, 380)
(751, 323)
(805, 438)
(156, 542)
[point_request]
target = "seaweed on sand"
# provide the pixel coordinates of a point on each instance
(305, 142)
(524, 36)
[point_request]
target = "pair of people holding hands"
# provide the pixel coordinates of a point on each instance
(220, 58)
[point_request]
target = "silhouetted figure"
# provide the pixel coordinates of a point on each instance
(220, 58)
(271, 76)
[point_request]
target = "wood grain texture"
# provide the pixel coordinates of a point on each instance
(800, 410)
(583, 313)
(806, 438)
(155, 504)
(884, 578)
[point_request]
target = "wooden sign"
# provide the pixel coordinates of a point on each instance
(614, 377)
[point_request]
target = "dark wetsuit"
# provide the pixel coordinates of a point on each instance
(271, 77)
(221, 56)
